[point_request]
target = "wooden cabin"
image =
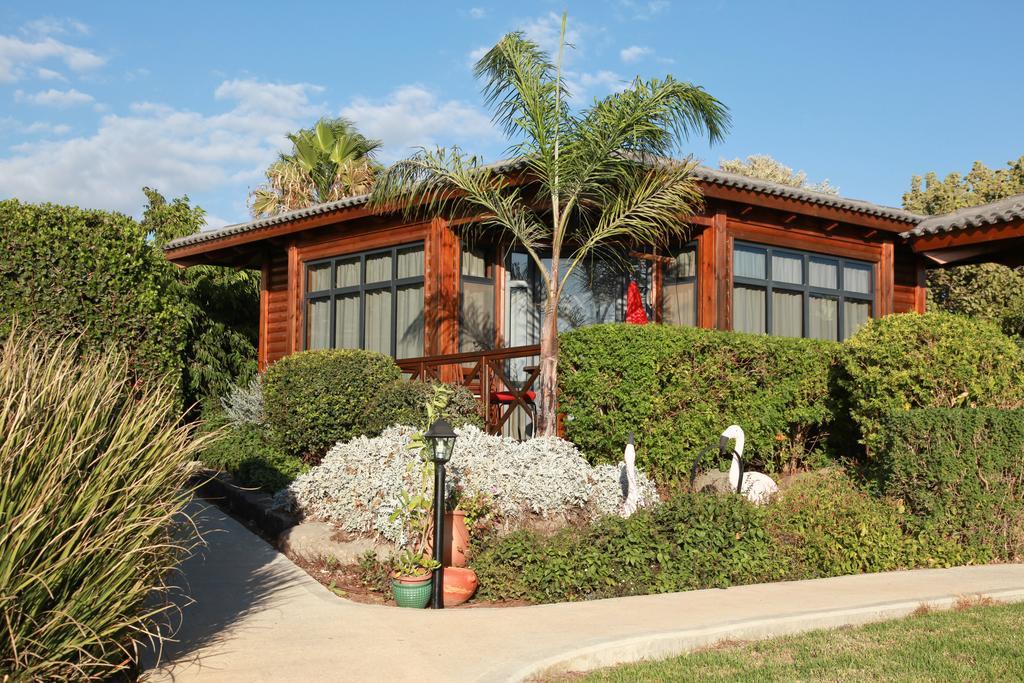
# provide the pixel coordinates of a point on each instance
(761, 258)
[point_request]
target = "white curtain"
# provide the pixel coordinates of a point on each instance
(410, 263)
(684, 265)
(377, 320)
(824, 274)
(318, 278)
(318, 324)
(477, 323)
(410, 322)
(679, 304)
(346, 322)
(378, 268)
(824, 322)
(787, 269)
(855, 314)
(857, 279)
(787, 314)
(348, 273)
(747, 262)
(748, 309)
(474, 263)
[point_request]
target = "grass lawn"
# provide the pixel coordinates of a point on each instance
(978, 643)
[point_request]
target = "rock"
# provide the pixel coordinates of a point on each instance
(713, 481)
(312, 541)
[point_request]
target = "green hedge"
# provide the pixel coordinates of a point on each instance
(960, 474)
(247, 453)
(934, 360)
(693, 541)
(314, 399)
(677, 388)
(405, 402)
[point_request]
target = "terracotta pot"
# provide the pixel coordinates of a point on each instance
(459, 585)
(456, 539)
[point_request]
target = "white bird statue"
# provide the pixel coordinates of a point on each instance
(757, 487)
(632, 486)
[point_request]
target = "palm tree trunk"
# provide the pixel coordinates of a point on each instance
(547, 414)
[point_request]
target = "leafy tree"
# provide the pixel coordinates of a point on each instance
(595, 180)
(221, 305)
(989, 291)
(329, 161)
(766, 168)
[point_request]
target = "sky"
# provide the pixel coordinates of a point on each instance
(98, 100)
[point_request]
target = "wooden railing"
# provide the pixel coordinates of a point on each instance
(487, 374)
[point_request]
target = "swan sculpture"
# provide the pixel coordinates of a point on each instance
(756, 486)
(632, 485)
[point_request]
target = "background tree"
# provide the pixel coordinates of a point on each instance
(766, 168)
(329, 161)
(989, 291)
(595, 181)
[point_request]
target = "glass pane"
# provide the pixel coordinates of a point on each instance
(346, 322)
(787, 268)
(477, 317)
(318, 324)
(684, 265)
(824, 273)
(748, 309)
(318, 277)
(378, 268)
(855, 314)
(679, 304)
(787, 314)
(748, 262)
(474, 263)
(410, 262)
(410, 322)
(593, 294)
(522, 321)
(348, 273)
(857, 278)
(824, 318)
(377, 317)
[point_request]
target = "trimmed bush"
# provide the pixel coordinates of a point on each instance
(94, 475)
(829, 527)
(677, 388)
(246, 453)
(405, 403)
(934, 360)
(693, 541)
(315, 399)
(960, 474)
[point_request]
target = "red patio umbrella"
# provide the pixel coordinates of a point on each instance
(635, 312)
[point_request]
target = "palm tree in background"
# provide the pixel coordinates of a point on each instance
(329, 161)
(594, 182)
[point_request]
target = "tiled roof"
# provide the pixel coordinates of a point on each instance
(1009, 209)
(707, 175)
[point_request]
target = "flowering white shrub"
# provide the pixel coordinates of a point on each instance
(358, 483)
(244, 405)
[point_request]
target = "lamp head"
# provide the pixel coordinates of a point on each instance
(441, 438)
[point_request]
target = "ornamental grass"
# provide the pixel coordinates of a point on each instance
(93, 483)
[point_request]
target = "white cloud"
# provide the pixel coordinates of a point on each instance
(52, 26)
(49, 75)
(412, 116)
(17, 55)
(475, 55)
(584, 87)
(645, 10)
(477, 12)
(175, 150)
(54, 97)
(47, 128)
(546, 30)
(634, 53)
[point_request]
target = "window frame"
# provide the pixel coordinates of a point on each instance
(839, 294)
(334, 292)
(489, 266)
(665, 281)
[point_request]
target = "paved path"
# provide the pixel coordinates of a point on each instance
(258, 617)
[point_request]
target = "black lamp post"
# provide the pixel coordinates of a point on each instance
(441, 438)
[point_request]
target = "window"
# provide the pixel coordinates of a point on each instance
(679, 288)
(799, 294)
(476, 314)
(372, 301)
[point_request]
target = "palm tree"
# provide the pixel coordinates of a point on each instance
(594, 182)
(329, 161)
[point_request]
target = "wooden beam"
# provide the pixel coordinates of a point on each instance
(959, 238)
(789, 219)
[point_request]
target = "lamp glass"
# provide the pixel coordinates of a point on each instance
(441, 436)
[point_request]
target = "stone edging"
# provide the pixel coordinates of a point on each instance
(248, 504)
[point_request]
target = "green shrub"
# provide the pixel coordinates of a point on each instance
(405, 403)
(960, 474)
(247, 453)
(94, 475)
(314, 399)
(831, 527)
(934, 360)
(677, 388)
(693, 541)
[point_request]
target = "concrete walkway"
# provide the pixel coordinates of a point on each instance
(258, 617)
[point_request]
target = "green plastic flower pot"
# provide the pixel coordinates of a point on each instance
(412, 591)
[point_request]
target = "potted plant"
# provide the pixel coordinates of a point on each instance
(412, 579)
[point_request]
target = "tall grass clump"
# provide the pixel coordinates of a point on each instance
(93, 482)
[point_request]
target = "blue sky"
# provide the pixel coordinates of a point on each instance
(100, 99)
